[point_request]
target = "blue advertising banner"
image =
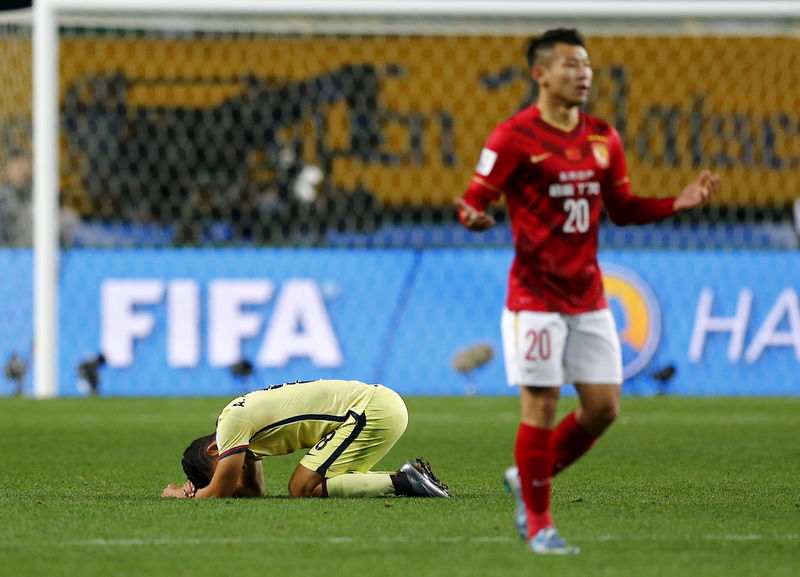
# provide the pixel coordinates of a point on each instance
(16, 319)
(691, 323)
(176, 322)
(730, 321)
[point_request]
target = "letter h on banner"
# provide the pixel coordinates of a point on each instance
(704, 323)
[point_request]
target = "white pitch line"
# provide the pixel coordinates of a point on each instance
(749, 537)
(269, 540)
(486, 539)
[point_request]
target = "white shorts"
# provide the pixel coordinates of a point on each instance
(550, 349)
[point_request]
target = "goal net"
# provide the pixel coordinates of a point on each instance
(198, 154)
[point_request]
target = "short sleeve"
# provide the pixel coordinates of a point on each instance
(233, 436)
(496, 169)
(499, 161)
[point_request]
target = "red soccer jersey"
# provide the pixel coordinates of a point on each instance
(554, 182)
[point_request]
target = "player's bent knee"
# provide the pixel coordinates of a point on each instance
(298, 492)
(604, 414)
(305, 483)
(539, 405)
(307, 489)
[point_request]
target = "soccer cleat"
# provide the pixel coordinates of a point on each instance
(416, 479)
(548, 542)
(512, 485)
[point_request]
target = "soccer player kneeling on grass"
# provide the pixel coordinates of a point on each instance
(347, 426)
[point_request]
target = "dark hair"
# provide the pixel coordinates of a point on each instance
(197, 462)
(549, 39)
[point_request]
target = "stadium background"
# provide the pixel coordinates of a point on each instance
(291, 188)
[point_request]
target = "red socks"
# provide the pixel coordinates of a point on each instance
(532, 453)
(569, 442)
(542, 454)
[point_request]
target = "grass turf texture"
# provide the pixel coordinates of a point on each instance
(683, 487)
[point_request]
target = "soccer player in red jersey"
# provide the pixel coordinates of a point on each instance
(555, 165)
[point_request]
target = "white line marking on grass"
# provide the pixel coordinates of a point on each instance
(750, 537)
(486, 539)
(268, 540)
(494, 539)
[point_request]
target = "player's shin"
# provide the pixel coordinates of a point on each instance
(360, 485)
(569, 442)
(532, 453)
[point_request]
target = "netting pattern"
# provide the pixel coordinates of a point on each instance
(188, 137)
(15, 135)
(226, 135)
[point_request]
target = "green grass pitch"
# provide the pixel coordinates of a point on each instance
(678, 487)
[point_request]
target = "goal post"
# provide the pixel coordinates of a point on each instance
(742, 18)
(45, 200)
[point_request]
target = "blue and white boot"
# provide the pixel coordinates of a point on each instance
(548, 542)
(512, 485)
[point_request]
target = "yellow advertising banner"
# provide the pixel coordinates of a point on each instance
(405, 117)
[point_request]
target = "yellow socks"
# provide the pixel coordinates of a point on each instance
(360, 485)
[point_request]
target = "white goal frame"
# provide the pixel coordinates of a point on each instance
(46, 102)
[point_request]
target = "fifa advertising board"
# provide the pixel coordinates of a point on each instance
(217, 322)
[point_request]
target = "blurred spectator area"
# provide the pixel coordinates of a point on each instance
(236, 167)
(184, 136)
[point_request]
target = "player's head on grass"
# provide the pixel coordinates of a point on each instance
(200, 459)
(559, 64)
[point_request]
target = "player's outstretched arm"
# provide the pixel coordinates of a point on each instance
(697, 192)
(472, 218)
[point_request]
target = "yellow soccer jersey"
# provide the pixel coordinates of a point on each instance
(284, 418)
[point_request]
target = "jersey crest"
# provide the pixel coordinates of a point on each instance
(601, 155)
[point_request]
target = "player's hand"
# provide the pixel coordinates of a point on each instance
(472, 218)
(173, 490)
(698, 192)
(189, 489)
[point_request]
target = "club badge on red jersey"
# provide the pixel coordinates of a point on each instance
(601, 155)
